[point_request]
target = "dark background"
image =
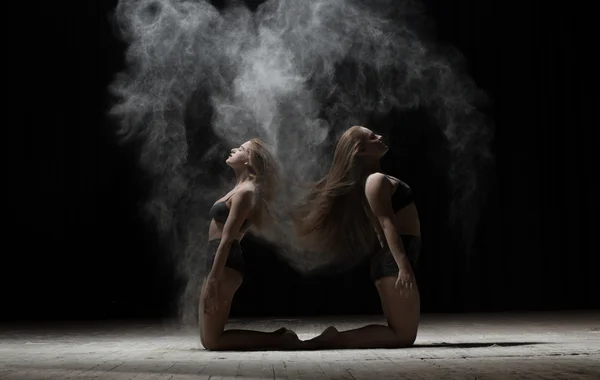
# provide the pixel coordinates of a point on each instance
(76, 247)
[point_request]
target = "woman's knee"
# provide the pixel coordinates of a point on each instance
(209, 338)
(405, 340)
(210, 342)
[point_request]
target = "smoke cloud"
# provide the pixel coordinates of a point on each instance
(295, 73)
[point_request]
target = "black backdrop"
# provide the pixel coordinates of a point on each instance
(75, 246)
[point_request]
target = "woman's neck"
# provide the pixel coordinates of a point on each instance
(242, 176)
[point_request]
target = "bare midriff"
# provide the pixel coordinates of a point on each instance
(407, 221)
(215, 231)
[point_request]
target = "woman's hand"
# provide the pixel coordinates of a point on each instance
(405, 282)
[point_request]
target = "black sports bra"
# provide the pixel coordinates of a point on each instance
(219, 212)
(403, 196)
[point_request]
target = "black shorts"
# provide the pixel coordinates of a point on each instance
(235, 259)
(383, 263)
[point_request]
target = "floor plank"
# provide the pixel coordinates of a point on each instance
(563, 345)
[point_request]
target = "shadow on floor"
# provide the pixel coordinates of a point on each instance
(475, 345)
(428, 345)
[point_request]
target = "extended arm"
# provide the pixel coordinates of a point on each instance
(241, 204)
(378, 190)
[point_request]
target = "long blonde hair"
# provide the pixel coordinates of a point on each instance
(264, 172)
(335, 215)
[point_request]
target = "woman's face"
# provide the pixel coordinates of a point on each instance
(373, 144)
(238, 158)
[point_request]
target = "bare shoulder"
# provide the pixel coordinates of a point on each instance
(248, 187)
(377, 184)
(245, 194)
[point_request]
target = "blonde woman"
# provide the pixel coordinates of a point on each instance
(357, 207)
(247, 204)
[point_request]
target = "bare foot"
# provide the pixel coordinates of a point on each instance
(291, 341)
(279, 331)
(326, 338)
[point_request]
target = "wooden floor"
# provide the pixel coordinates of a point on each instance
(467, 346)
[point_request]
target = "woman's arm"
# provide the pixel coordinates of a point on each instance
(241, 205)
(378, 190)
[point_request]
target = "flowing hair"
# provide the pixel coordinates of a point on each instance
(264, 172)
(335, 215)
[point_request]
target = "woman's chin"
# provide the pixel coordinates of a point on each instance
(232, 164)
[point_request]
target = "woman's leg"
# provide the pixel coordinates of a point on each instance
(402, 315)
(402, 312)
(214, 337)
